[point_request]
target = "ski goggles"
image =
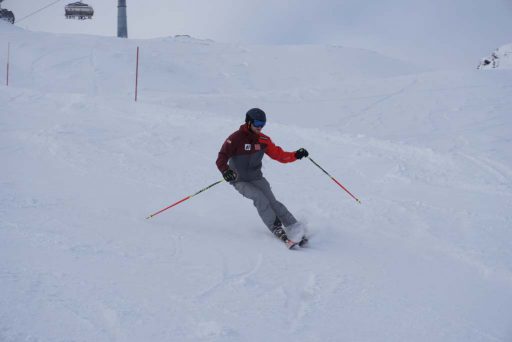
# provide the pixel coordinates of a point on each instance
(258, 123)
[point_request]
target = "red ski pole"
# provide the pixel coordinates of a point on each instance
(327, 173)
(183, 200)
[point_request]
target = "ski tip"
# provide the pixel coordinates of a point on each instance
(291, 244)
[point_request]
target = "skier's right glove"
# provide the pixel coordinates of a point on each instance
(301, 153)
(229, 175)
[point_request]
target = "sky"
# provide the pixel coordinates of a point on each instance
(459, 31)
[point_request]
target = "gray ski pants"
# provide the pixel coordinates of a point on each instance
(265, 202)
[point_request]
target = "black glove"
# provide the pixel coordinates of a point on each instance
(229, 175)
(301, 153)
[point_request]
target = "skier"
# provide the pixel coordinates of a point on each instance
(239, 161)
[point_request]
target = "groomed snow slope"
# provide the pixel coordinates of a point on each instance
(426, 257)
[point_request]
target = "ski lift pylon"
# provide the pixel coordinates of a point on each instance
(79, 10)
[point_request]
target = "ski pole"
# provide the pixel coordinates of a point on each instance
(186, 198)
(327, 173)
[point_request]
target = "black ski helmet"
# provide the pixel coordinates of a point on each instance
(255, 114)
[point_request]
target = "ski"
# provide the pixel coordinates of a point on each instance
(291, 244)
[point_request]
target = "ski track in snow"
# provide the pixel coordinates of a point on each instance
(304, 300)
(229, 280)
(376, 103)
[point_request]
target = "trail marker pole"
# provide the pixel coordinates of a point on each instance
(137, 75)
(8, 59)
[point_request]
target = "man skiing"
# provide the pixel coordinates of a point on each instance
(239, 161)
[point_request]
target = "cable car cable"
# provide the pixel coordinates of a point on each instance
(39, 10)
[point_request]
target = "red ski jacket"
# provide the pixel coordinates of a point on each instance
(243, 151)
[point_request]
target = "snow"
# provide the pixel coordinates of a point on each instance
(426, 256)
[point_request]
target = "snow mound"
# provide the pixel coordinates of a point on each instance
(185, 65)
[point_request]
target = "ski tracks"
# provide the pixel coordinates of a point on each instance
(347, 120)
(230, 281)
(501, 172)
(302, 302)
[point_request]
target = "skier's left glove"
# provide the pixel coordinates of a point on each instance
(229, 175)
(301, 153)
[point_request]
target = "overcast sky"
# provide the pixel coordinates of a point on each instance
(431, 32)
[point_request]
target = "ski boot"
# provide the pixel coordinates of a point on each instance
(281, 235)
(304, 241)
